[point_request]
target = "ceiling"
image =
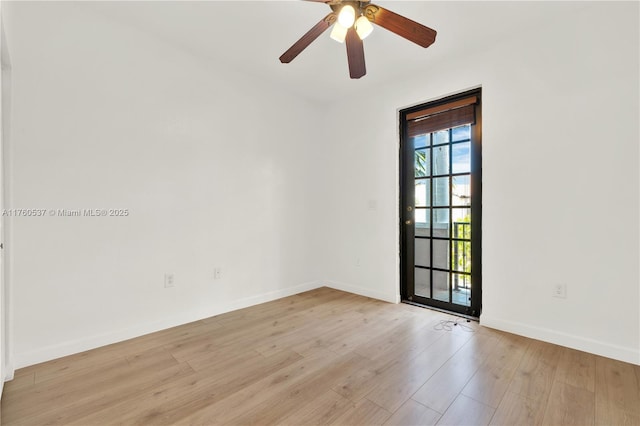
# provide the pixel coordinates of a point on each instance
(249, 36)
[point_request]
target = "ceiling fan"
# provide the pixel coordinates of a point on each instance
(351, 22)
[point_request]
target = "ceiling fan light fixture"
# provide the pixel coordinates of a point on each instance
(363, 27)
(347, 16)
(338, 33)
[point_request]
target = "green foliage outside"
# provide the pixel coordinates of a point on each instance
(461, 258)
(421, 165)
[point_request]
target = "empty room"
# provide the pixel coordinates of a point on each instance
(320, 212)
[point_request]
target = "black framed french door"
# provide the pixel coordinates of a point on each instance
(441, 203)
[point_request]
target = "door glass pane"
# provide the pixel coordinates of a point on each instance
(461, 190)
(461, 223)
(461, 133)
(441, 191)
(422, 282)
(461, 256)
(461, 293)
(461, 157)
(441, 254)
(422, 252)
(441, 285)
(441, 160)
(441, 223)
(420, 141)
(422, 219)
(441, 136)
(423, 193)
(422, 162)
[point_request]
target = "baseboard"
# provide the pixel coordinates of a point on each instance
(363, 291)
(621, 353)
(48, 353)
(9, 372)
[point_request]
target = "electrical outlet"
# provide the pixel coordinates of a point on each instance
(560, 291)
(169, 280)
(357, 261)
(217, 273)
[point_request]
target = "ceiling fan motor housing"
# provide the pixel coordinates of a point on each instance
(359, 6)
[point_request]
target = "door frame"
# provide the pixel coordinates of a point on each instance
(406, 178)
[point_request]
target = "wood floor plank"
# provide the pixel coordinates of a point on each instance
(172, 402)
(372, 329)
(267, 337)
(278, 404)
(399, 383)
(259, 331)
(79, 363)
(103, 395)
(515, 409)
(220, 357)
(569, 405)
(323, 322)
(325, 409)
(577, 368)
(534, 376)
(364, 413)
(421, 325)
(251, 397)
(382, 318)
(357, 385)
(617, 391)
(444, 386)
(606, 415)
(465, 411)
(490, 382)
(413, 413)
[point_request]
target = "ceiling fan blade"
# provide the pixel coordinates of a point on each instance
(308, 38)
(355, 54)
(404, 27)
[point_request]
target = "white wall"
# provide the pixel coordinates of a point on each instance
(219, 170)
(560, 180)
(210, 165)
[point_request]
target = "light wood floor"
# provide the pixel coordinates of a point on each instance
(327, 357)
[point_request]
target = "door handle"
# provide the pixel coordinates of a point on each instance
(407, 222)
